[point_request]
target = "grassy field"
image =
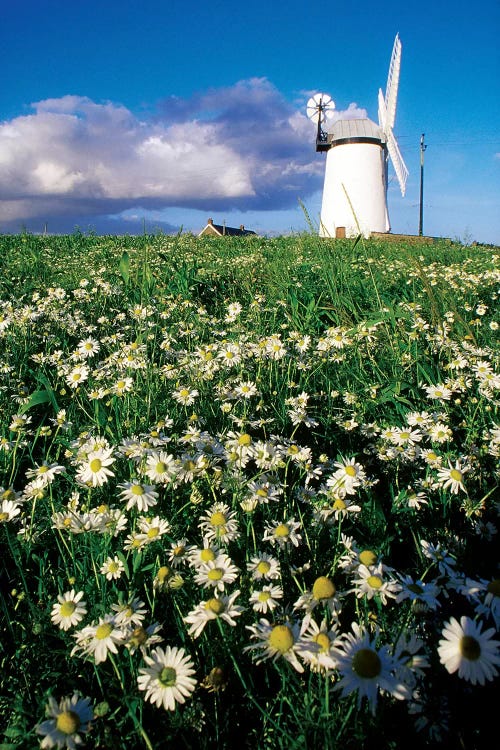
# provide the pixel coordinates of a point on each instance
(249, 493)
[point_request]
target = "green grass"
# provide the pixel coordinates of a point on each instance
(340, 340)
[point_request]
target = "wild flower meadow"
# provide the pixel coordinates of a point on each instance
(249, 493)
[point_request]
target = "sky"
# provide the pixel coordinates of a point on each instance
(132, 116)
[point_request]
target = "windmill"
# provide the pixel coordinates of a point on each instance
(357, 155)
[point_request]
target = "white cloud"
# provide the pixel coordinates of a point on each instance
(242, 146)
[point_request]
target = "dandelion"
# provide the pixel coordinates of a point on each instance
(217, 607)
(452, 477)
(167, 678)
(466, 648)
(366, 669)
(112, 568)
(69, 719)
(69, 610)
(95, 470)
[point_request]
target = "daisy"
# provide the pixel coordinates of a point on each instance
(87, 348)
(130, 613)
(246, 389)
(121, 386)
(282, 534)
(366, 669)
(275, 642)
(491, 603)
(141, 496)
(69, 610)
(438, 392)
(423, 596)
(9, 509)
(219, 524)
(167, 678)
(323, 593)
(142, 637)
(45, 473)
(218, 607)
(68, 720)
(266, 599)
(464, 647)
(112, 568)
(178, 553)
(452, 477)
(77, 376)
(216, 573)
(372, 582)
(317, 646)
(201, 555)
(410, 664)
(185, 396)
(435, 552)
(160, 467)
(94, 472)
(152, 529)
(97, 640)
(347, 478)
(264, 566)
(439, 432)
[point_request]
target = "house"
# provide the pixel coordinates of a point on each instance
(220, 230)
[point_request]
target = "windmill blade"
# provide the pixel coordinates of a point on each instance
(391, 91)
(382, 110)
(397, 161)
(319, 106)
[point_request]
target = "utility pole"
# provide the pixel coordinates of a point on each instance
(423, 146)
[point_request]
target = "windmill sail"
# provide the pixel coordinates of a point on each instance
(391, 91)
(397, 161)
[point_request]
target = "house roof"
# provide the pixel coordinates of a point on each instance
(222, 230)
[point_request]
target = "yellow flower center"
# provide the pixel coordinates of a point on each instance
(339, 504)
(281, 638)
(282, 530)
(207, 554)
(367, 557)
(42, 469)
(264, 596)
(323, 642)
(153, 532)
(215, 605)
(121, 384)
(470, 648)
(95, 465)
(366, 663)
(323, 588)
(113, 567)
(167, 676)
(456, 475)
(215, 574)
(264, 567)
(350, 470)
(3, 516)
(68, 722)
(374, 581)
(161, 467)
(217, 519)
(244, 439)
(139, 636)
(163, 572)
(103, 631)
(137, 489)
(178, 551)
(67, 609)
(262, 492)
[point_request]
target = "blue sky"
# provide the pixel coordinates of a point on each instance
(116, 116)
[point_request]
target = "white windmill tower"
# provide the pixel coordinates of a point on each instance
(358, 151)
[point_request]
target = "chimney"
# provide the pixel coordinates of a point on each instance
(210, 221)
(242, 227)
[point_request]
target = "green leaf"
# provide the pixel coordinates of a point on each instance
(124, 267)
(37, 397)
